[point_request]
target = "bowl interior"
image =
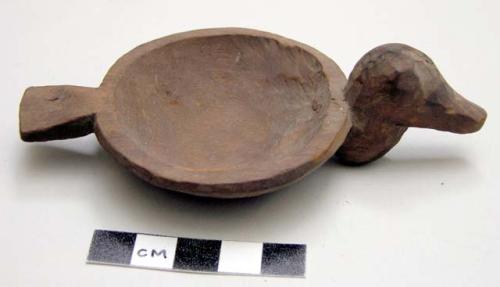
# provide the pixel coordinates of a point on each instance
(222, 102)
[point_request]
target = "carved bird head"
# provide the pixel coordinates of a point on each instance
(393, 87)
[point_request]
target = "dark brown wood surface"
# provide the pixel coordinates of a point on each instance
(236, 112)
(220, 112)
(393, 87)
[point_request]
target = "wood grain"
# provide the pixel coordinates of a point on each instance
(221, 112)
(393, 87)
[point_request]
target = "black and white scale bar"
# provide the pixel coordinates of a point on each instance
(197, 255)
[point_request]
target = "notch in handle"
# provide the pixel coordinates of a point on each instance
(57, 112)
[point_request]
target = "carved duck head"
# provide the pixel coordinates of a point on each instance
(394, 87)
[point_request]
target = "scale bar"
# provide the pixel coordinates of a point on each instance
(197, 255)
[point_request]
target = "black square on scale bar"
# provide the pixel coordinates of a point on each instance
(111, 247)
(283, 259)
(197, 254)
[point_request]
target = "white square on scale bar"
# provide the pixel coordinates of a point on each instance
(154, 251)
(240, 257)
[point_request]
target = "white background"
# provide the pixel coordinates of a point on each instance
(428, 214)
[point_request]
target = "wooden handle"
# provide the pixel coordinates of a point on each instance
(57, 112)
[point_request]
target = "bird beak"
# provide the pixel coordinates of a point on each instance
(452, 112)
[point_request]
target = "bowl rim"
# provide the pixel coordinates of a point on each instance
(332, 132)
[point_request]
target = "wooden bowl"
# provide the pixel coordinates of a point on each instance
(220, 112)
